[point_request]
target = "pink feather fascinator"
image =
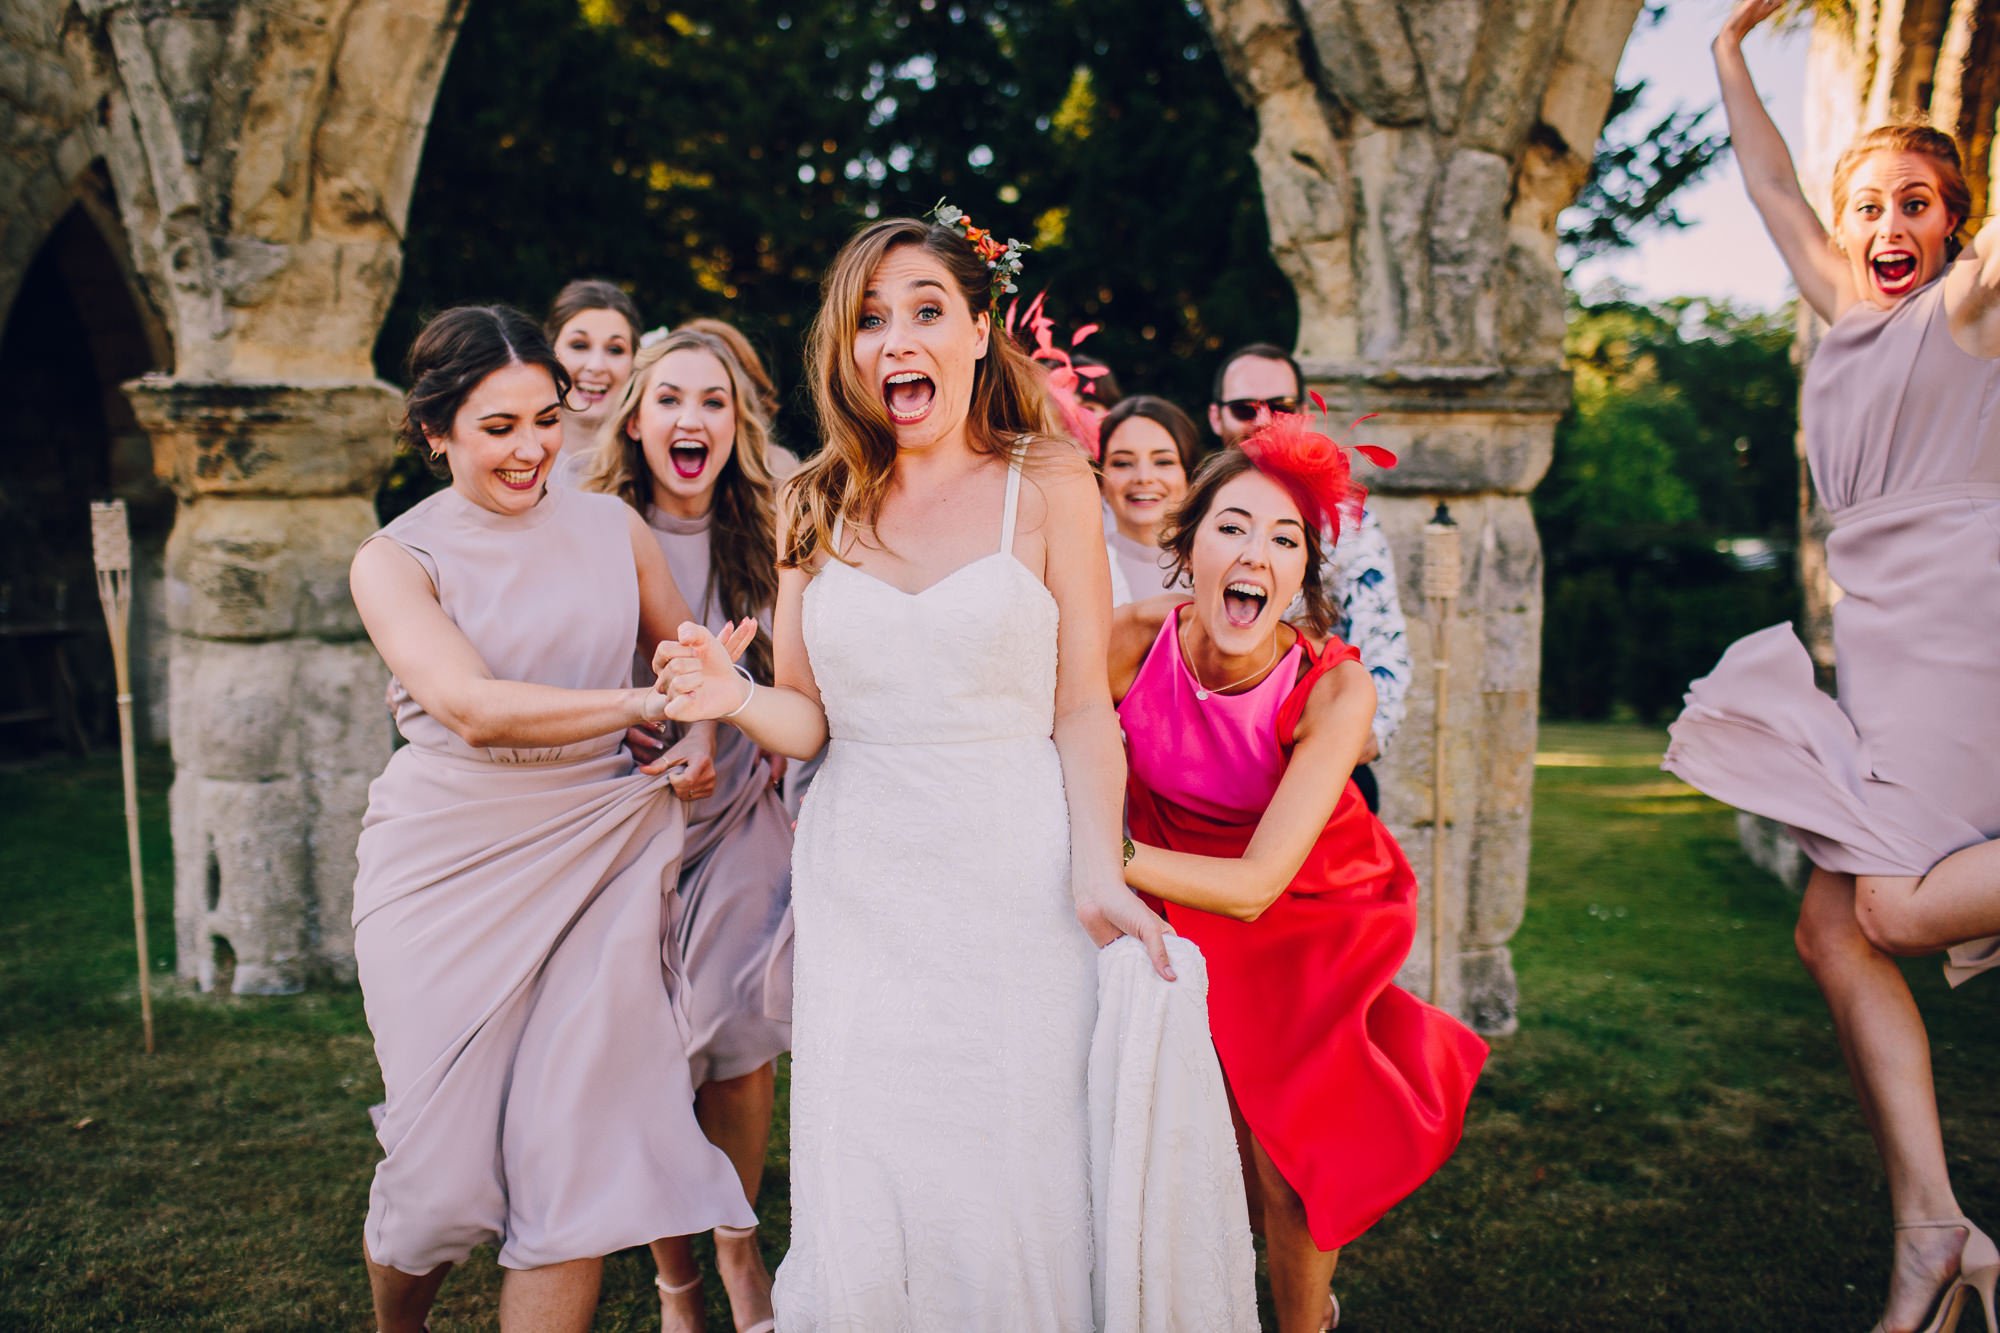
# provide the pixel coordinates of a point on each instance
(1313, 467)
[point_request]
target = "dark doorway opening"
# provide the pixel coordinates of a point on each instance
(76, 331)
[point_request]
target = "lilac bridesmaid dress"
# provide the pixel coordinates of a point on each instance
(735, 926)
(1902, 432)
(513, 924)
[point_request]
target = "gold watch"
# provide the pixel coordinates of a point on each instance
(1131, 850)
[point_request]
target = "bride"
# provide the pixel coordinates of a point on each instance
(943, 615)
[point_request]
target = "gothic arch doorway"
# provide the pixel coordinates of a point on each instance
(77, 329)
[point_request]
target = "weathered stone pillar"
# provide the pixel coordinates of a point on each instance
(278, 719)
(263, 158)
(1414, 158)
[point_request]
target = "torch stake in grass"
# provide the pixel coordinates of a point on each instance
(1441, 578)
(111, 551)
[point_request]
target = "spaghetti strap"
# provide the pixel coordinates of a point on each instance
(839, 531)
(1013, 509)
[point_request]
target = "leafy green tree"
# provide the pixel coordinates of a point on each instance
(1677, 446)
(714, 157)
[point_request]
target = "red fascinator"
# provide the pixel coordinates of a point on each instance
(1066, 379)
(1313, 467)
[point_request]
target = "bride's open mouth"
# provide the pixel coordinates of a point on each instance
(908, 395)
(689, 457)
(1242, 602)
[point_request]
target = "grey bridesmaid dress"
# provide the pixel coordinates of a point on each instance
(513, 929)
(735, 928)
(1902, 431)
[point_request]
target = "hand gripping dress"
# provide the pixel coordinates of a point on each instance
(735, 926)
(511, 917)
(945, 994)
(1356, 1089)
(1902, 432)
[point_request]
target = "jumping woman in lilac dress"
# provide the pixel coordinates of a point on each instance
(1893, 791)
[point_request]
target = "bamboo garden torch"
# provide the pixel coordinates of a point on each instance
(111, 550)
(1440, 585)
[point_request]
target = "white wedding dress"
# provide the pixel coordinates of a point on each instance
(945, 993)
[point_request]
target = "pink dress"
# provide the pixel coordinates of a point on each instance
(1356, 1089)
(512, 917)
(1902, 434)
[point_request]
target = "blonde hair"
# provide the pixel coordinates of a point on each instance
(849, 477)
(743, 517)
(1925, 141)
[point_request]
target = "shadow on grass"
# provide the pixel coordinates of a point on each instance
(1668, 1143)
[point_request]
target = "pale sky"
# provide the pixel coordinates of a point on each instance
(1724, 251)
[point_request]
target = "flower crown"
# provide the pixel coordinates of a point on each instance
(1314, 468)
(1067, 381)
(1003, 258)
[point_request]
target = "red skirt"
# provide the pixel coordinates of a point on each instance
(1356, 1089)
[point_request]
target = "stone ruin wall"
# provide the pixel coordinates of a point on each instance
(1414, 157)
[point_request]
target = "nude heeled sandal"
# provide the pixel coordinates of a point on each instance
(1978, 1274)
(744, 1233)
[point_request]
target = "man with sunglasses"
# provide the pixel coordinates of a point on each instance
(1251, 385)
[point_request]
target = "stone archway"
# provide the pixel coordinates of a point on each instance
(1414, 159)
(261, 159)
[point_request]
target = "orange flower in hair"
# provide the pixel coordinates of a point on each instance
(1313, 467)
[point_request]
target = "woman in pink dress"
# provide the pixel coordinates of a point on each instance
(1243, 733)
(686, 447)
(514, 900)
(1893, 791)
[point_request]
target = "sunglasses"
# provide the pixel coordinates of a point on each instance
(1246, 409)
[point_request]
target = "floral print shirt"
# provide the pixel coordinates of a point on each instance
(1361, 583)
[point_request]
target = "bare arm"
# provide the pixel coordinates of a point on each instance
(1328, 743)
(444, 673)
(1974, 310)
(1769, 175)
(1077, 572)
(1134, 627)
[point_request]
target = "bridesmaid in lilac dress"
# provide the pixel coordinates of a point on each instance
(1894, 790)
(513, 906)
(687, 447)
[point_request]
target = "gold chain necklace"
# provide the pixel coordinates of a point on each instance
(1202, 691)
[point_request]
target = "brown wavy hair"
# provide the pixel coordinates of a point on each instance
(742, 530)
(1178, 533)
(1925, 141)
(850, 475)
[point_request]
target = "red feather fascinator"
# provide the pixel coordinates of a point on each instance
(1066, 380)
(1313, 467)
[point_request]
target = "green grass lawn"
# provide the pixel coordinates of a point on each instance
(1669, 1142)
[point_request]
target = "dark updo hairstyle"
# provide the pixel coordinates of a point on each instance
(1187, 439)
(1177, 535)
(455, 351)
(590, 294)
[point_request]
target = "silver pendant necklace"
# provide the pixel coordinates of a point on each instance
(1201, 691)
